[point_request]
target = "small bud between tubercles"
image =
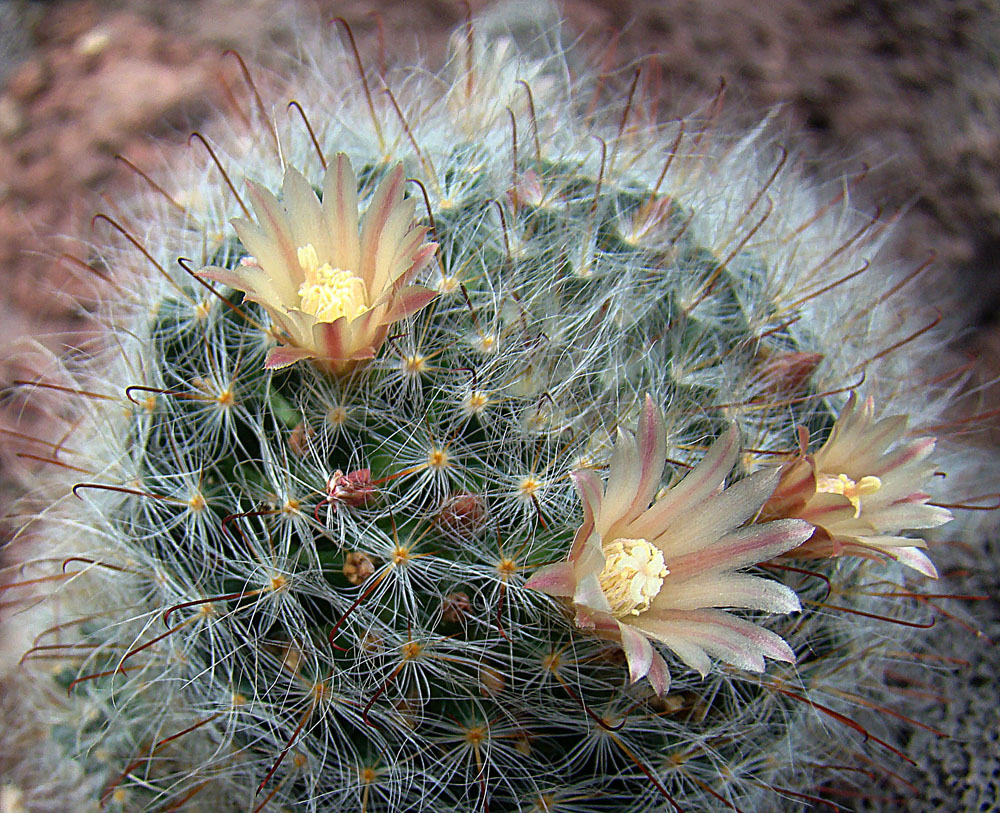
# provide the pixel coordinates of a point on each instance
(456, 607)
(358, 567)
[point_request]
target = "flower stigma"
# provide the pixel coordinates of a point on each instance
(632, 576)
(329, 293)
(846, 487)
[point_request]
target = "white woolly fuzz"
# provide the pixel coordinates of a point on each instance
(311, 526)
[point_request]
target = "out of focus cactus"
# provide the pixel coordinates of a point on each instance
(310, 524)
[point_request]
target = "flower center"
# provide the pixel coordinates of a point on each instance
(632, 576)
(329, 293)
(845, 486)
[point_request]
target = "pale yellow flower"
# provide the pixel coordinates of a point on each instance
(861, 490)
(332, 285)
(641, 572)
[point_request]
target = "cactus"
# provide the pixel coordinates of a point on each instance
(309, 524)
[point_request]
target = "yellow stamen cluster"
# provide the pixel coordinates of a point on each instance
(329, 293)
(846, 487)
(632, 576)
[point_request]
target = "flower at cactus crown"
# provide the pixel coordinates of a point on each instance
(331, 286)
(861, 489)
(639, 573)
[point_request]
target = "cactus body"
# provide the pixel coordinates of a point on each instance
(302, 585)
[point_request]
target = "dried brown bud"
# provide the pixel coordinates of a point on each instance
(491, 681)
(456, 608)
(786, 373)
(358, 567)
(300, 438)
(463, 513)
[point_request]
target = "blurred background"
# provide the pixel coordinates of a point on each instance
(909, 89)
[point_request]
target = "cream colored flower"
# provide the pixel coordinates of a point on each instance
(331, 285)
(861, 489)
(639, 572)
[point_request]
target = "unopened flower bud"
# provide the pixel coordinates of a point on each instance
(463, 513)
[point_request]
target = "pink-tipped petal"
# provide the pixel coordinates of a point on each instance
(734, 590)
(340, 212)
(394, 232)
(716, 517)
(274, 223)
(333, 339)
(910, 555)
(747, 546)
(638, 652)
(407, 249)
(283, 356)
(420, 259)
(722, 635)
(699, 483)
(387, 195)
(911, 515)
(306, 224)
(915, 558)
(589, 594)
(652, 439)
(409, 301)
(905, 455)
(681, 644)
(659, 675)
(623, 479)
(556, 580)
(588, 486)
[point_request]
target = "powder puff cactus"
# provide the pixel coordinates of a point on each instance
(639, 572)
(313, 576)
(861, 489)
(331, 292)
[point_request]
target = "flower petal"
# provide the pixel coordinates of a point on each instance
(721, 634)
(913, 557)
(728, 590)
(715, 517)
(556, 580)
(340, 212)
(659, 675)
(387, 195)
(387, 265)
(638, 652)
(252, 281)
(697, 486)
(903, 549)
(652, 439)
(590, 595)
(411, 255)
(283, 356)
(681, 645)
(623, 478)
(905, 454)
(305, 216)
(909, 515)
(274, 225)
(744, 547)
(588, 486)
(408, 301)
